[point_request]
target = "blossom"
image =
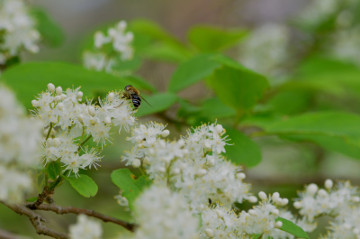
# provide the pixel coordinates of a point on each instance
(164, 214)
(19, 135)
(85, 228)
(70, 123)
(266, 49)
(17, 29)
(118, 40)
(14, 184)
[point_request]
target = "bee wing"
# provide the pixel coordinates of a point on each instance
(145, 100)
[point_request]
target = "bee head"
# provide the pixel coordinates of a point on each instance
(128, 87)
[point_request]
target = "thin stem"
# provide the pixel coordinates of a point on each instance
(46, 194)
(84, 142)
(49, 131)
(72, 210)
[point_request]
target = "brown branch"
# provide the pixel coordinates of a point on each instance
(36, 220)
(66, 210)
(7, 235)
(46, 194)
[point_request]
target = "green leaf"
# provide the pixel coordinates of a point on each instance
(49, 30)
(32, 199)
(130, 187)
(167, 52)
(152, 30)
(241, 149)
(291, 101)
(53, 169)
(29, 79)
(192, 71)
(335, 131)
(158, 103)
(331, 76)
(292, 228)
(83, 184)
(213, 108)
(210, 39)
(238, 87)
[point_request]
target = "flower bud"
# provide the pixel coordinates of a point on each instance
(328, 184)
(59, 90)
(51, 87)
(278, 224)
(262, 195)
(35, 103)
(165, 133)
(209, 232)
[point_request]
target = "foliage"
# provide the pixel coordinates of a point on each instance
(307, 98)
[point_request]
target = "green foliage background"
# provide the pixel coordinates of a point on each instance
(293, 131)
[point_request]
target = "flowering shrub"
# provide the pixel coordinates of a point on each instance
(188, 172)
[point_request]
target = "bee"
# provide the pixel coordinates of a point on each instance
(133, 94)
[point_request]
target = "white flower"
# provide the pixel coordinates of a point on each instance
(266, 49)
(85, 228)
(121, 49)
(71, 123)
(318, 10)
(20, 136)
(14, 184)
(18, 29)
(164, 214)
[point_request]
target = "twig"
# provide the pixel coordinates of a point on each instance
(36, 220)
(46, 194)
(7, 235)
(66, 210)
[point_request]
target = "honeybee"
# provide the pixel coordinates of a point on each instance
(133, 94)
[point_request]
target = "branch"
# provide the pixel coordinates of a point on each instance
(36, 220)
(65, 210)
(7, 235)
(46, 194)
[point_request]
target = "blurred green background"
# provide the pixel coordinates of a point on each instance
(285, 167)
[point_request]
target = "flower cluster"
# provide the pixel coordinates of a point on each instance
(85, 228)
(341, 203)
(110, 49)
(17, 30)
(19, 138)
(69, 124)
(160, 201)
(318, 11)
(193, 165)
(192, 174)
(343, 42)
(195, 168)
(266, 49)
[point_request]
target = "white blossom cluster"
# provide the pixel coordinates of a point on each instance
(193, 165)
(266, 49)
(193, 171)
(85, 228)
(160, 201)
(110, 49)
(340, 202)
(318, 11)
(19, 151)
(194, 168)
(17, 30)
(69, 123)
(344, 42)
